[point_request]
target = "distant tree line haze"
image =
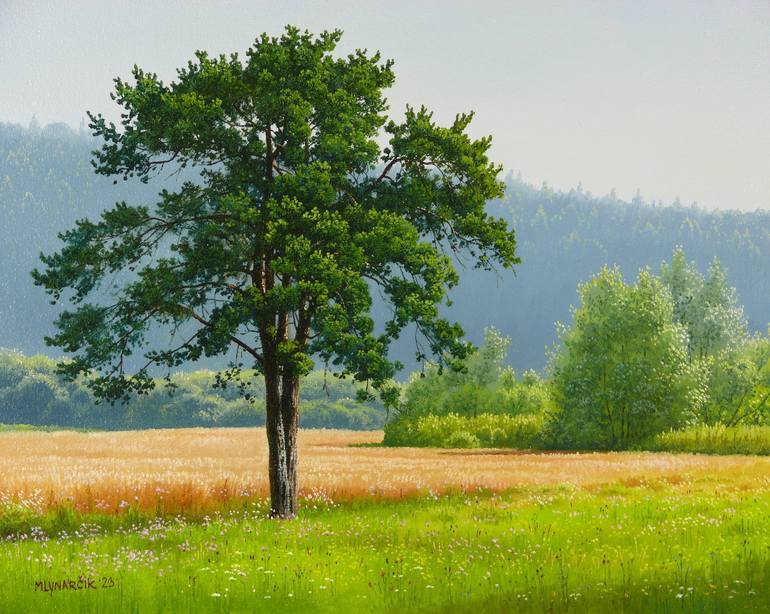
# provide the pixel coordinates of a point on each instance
(32, 393)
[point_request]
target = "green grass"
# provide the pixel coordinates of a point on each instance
(717, 439)
(642, 549)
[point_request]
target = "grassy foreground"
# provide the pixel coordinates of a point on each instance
(654, 547)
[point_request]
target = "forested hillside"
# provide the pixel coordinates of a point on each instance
(565, 238)
(46, 183)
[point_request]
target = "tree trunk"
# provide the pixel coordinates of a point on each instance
(282, 409)
(290, 415)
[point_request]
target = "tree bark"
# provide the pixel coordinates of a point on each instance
(290, 417)
(282, 409)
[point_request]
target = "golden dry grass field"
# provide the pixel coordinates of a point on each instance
(195, 470)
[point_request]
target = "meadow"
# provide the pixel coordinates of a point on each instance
(175, 521)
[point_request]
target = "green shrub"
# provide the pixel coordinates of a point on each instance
(29, 428)
(483, 386)
(462, 439)
(455, 431)
(739, 384)
(16, 519)
(714, 439)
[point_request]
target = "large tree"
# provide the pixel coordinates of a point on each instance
(298, 216)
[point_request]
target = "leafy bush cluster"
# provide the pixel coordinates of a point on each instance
(666, 353)
(482, 403)
(714, 439)
(639, 362)
(456, 431)
(32, 393)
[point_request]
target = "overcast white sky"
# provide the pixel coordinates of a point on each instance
(671, 98)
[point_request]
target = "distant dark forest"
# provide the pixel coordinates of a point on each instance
(47, 182)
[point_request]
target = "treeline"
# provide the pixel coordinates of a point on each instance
(669, 351)
(32, 393)
(47, 182)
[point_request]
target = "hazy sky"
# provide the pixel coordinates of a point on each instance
(671, 98)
